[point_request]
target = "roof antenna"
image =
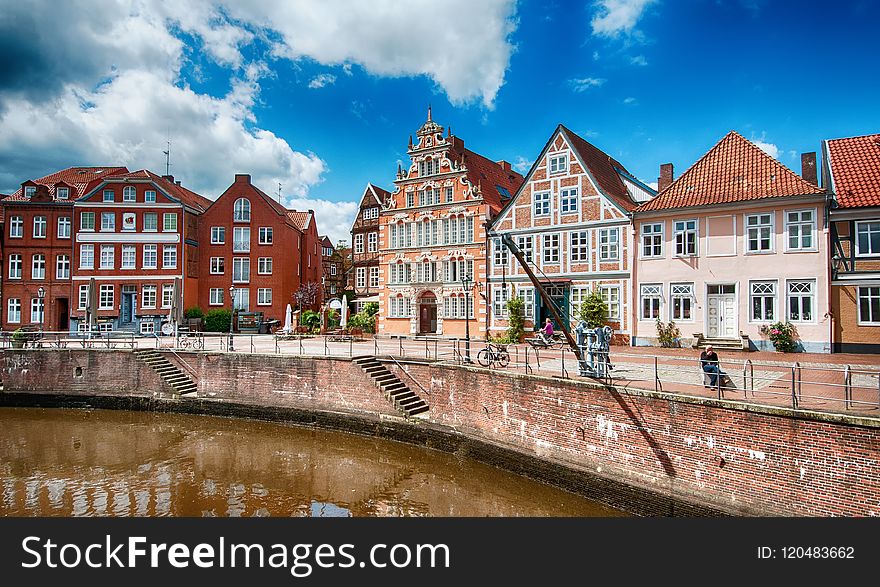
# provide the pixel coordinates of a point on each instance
(168, 158)
(279, 191)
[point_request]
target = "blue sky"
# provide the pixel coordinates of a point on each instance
(321, 96)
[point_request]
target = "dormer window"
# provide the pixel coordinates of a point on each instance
(241, 210)
(29, 191)
(558, 163)
(108, 195)
(128, 193)
(62, 193)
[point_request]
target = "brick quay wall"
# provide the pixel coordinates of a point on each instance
(644, 452)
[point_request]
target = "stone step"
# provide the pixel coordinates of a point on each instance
(418, 410)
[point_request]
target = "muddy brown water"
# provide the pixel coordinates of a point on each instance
(62, 462)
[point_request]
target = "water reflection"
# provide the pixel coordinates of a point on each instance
(108, 463)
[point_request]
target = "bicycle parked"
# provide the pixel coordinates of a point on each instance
(494, 355)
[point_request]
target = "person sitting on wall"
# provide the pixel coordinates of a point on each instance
(711, 366)
(547, 331)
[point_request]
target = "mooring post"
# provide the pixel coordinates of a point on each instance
(794, 399)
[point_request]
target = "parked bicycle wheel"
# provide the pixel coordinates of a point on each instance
(483, 357)
(502, 357)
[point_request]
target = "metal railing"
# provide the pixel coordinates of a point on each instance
(799, 385)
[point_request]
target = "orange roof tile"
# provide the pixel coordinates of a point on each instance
(78, 178)
(491, 176)
(299, 219)
(855, 170)
(184, 195)
(734, 170)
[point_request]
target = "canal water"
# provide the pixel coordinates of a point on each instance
(57, 462)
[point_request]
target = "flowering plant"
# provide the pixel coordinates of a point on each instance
(782, 335)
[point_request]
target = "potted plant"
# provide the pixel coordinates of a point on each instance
(195, 319)
(668, 334)
(782, 335)
(18, 338)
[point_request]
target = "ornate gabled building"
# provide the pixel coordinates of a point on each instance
(334, 264)
(571, 220)
(433, 234)
(364, 278)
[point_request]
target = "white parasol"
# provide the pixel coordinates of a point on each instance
(288, 320)
(343, 312)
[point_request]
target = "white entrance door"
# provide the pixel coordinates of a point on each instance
(722, 307)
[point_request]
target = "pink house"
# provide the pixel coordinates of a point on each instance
(737, 242)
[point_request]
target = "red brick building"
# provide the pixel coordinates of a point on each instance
(251, 242)
(38, 247)
(136, 235)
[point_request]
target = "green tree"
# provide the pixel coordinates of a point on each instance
(515, 322)
(594, 310)
(310, 319)
(217, 320)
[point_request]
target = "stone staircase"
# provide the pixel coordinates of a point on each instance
(405, 400)
(740, 343)
(182, 385)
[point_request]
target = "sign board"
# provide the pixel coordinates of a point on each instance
(167, 328)
(335, 305)
(128, 221)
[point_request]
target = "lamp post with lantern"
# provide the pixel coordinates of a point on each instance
(466, 283)
(41, 295)
(231, 315)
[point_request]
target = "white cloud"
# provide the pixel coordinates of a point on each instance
(334, 218)
(630, 101)
(390, 38)
(596, 56)
(583, 84)
(638, 60)
(765, 146)
(614, 18)
(319, 81)
(652, 184)
(522, 165)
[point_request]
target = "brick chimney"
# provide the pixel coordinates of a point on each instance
(41, 194)
(504, 165)
(666, 176)
(808, 168)
(168, 178)
(243, 178)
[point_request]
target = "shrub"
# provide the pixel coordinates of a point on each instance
(193, 313)
(217, 320)
(333, 319)
(782, 335)
(594, 310)
(371, 308)
(366, 322)
(515, 323)
(310, 319)
(19, 334)
(668, 333)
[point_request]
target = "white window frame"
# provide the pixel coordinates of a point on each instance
(147, 327)
(129, 194)
(579, 246)
(83, 298)
(63, 226)
(611, 301)
(38, 310)
(553, 163)
(108, 226)
(789, 296)
(150, 257)
(858, 225)
(239, 243)
(108, 196)
(800, 224)
(684, 232)
(265, 235)
(87, 226)
(239, 264)
(217, 266)
(107, 297)
(149, 297)
(749, 228)
(16, 226)
(264, 296)
(650, 291)
(609, 245)
(150, 196)
(13, 310)
(215, 296)
(241, 210)
(167, 295)
(550, 249)
(359, 242)
(541, 204)
(43, 223)
(169, 222)
(38, 266)
(62, 267)
(372, 242)
(16, 262)
(569, 199)
(218, 235)
(864, 291)
(153, 225)
(684, 292)
(264, 266)
(774, 295)
(90, 256)
(169, 256)
(62, 193)
(361, 277)
(643, 236)
(527, 251)
(500, 254)
(107, 259)
(374, 277)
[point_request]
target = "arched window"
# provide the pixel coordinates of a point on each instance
(241, 212)
(128, 193)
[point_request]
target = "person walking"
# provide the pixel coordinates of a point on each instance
(711, 366)
(547, 331)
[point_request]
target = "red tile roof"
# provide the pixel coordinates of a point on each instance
(184, 195)
(490, 175)
(734, 170)
(855, 170)
(374, 196)
(299, 219)
(603, 168)
(78, 178)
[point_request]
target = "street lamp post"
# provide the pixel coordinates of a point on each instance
(466, 285)
(231, 315)
(41, 294)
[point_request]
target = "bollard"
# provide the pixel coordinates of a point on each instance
(375, 346)
(276, 345)
(794, 399)
(350, 345)
(656, 374)
(325, 345)
(252, 344)
(400, 347)
(300, 345)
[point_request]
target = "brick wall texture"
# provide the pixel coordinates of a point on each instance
(702, 452)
